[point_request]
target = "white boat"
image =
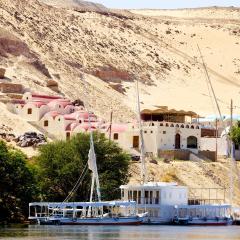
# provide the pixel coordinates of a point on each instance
(205, 215)
(77, 213)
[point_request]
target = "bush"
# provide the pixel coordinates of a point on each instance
(61, 163)
(17, 185)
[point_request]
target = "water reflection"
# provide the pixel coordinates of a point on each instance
(35, 232)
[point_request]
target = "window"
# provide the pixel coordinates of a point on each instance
(115, 136)
(164, 132)
(46, 123)
(192, 142)
(182, 126)
(145, 131)
(151, 131)
(29, 111)
(80, 121)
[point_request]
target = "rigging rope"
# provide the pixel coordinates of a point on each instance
(77, 184)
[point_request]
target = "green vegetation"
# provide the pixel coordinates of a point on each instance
(17, 184)
(55, 171)
(235, 133)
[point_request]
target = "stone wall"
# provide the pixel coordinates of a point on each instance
(10, 88)
(174, 154)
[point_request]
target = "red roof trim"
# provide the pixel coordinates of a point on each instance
(46, 96)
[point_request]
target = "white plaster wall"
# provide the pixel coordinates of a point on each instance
(174, 196)
(210, 145)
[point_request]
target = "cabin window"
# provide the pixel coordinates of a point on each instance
(46, 123)
(167, 125)
(134, 195)
(139, 197)
(29, 111)
(115, 136)
(157, 197)
(182, 126)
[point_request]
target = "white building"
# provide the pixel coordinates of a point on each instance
(158, 135)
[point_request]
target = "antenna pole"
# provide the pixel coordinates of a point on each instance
(216, 134)
(110, 127)
(142, 157)
(231, 185)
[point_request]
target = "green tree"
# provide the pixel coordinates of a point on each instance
(61, 163)
(235, 133)
(17, 184)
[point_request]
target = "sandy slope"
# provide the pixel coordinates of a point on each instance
(160, 51)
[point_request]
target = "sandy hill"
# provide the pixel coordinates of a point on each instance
(159, 49)
(77, 5)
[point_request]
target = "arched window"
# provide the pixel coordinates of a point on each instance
(197, 127)
(192, 127)
(182, 126)
(172, 125)
(167, 125)
(192, 142)
(152, 124)
(161, 124)
(177, 126)
(187, 126)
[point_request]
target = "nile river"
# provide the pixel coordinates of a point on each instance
(116, 232)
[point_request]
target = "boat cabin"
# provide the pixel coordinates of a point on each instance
(156, 198)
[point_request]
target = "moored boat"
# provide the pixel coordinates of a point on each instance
(85, 213)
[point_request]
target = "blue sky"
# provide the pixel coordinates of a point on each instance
(166, 3)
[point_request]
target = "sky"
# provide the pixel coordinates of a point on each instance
(166, 4)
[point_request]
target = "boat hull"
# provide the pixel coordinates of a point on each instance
(203, 222)
(92, 221)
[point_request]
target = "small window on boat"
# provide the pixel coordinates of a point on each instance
(115, 136)
(29, 111)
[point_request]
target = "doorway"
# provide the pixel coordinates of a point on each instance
(177, 141)
(135, 141)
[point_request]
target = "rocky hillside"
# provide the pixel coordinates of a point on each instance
(39, 42)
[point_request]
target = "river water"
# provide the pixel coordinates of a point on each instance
(120, 233)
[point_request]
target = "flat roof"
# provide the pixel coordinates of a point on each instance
(153, 185)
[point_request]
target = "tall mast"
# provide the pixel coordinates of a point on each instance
(92, 162)
(231, 185)
(142, 156)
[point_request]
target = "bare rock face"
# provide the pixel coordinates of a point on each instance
(53, 85)
(2, 73)
(111, 74)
